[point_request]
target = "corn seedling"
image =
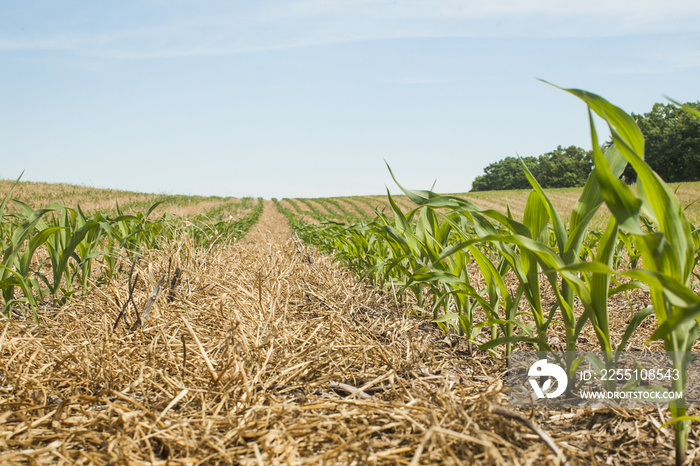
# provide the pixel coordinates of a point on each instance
(668, 253)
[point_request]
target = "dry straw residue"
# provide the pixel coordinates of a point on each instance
(270, 353)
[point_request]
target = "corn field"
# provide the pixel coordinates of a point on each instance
(427, 251)
(349, 330)
(56, 251)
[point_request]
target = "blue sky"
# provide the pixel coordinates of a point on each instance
(307, 98)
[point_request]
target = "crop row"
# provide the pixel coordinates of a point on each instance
(94, 200)
(648, 243)
(327, 209)
(55, 251)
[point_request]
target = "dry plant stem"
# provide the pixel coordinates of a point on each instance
(175, 401)
(535, 428)
(396, 301)
(350, 389)
(151, 299)
(202, 351)
(129, 298)
(173, 284)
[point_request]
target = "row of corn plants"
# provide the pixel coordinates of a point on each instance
(207, 232)
(329, 213)
(53, 252)
(231, 208)
(350, 204)
(345, 213)
(648, 243)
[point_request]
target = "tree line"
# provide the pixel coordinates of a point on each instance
(672, 149)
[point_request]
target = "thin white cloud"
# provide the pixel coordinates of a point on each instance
(277, 25)
(628, 14)
(481, 8)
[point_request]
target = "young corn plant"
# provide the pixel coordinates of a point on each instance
(668, 253)
(594, 288)
(71, 229)
(511, 239)
(19, 247)
(529, 251)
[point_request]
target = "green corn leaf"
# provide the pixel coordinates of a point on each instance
(600, 287)
(590, 201)
(35, 243)
(5, 198)
(618, 197)
(559, 229)
(687, 108)
(419, 197)
(67, 252)
(8, 282)
(675, 320)
(26, 290)
(536, 217)
(446, 317)
(615, 116)
(490, 273)
(152, 208)
(635, 322)
(399, 217)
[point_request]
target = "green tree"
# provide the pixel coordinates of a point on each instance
(560, 168)
(672, 143)
(564, 167)
(505, 174)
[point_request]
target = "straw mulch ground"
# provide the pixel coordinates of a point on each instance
(254, 360)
